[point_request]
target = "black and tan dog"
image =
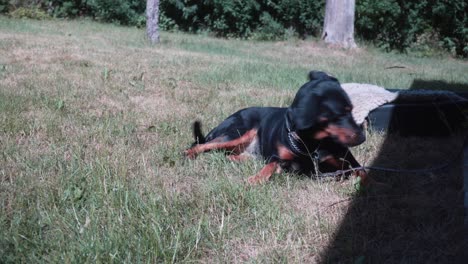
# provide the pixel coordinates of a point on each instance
(317, 126)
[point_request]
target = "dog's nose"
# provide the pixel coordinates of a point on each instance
(356, 138)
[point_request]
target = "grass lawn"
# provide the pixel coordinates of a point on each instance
(93, 121)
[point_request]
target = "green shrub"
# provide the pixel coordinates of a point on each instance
(166, 23)
(260, 19)
(425, 26)
(270, 29)
(11, 5)
(69, 8)
(221, 17)
(33, 13)
(125, 12)
(3, 6)
(450, 20)
(411, 25)
(227, 18)
(305, 17)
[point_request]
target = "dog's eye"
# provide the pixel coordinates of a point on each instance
(323, 120)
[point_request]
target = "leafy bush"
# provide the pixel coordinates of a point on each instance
(221, 17)
(450, 20)
(3, 6)
(306, 17)
(421, 26)
(166, 23)
(261, 19)
(125, 12)
(228, 18)
(11, 5)
(69, 8)
(33, 13)
(270, 29)
(414, 25)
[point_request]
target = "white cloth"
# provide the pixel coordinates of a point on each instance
(367, 97)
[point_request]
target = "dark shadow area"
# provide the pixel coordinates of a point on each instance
(411, 218)
(422, 113)
(439, 85)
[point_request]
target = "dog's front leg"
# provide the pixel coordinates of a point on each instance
(264, 174)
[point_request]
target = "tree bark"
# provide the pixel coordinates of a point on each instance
(338, 26)
(152, 20)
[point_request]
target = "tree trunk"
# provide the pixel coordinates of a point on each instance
(152, 20)
(338, 27)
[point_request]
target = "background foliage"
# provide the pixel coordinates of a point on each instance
(422, 26)
(415, 25)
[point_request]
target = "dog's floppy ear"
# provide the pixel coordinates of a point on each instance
(303, 112)
(320, 75)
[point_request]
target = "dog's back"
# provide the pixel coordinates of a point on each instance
(236, 124)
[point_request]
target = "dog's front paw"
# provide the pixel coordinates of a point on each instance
(254, 180)
(264, 174)
(189, 153)
(364, 181)
(363, 177)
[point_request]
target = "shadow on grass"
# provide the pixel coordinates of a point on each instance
(414, 218)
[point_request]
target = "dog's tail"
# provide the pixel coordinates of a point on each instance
(198, 134)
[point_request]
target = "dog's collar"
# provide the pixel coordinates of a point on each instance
(294, 140)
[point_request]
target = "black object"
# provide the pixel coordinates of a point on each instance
(430, 116)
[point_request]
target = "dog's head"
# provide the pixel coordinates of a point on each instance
(322, 109)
